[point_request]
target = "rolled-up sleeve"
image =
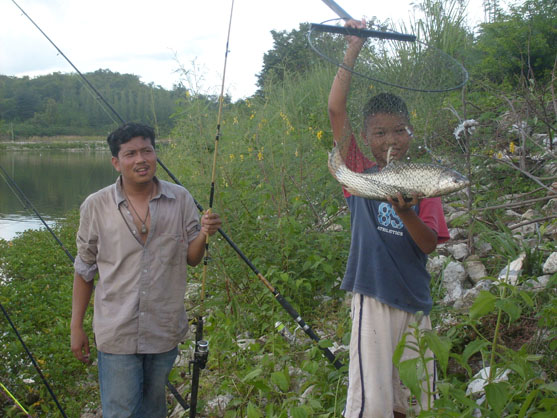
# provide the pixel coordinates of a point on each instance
(85, 263)
(191, 218)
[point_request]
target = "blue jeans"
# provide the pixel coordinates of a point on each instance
(133, 385)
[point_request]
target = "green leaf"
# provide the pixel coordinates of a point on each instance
(484, 303)
(526, 297)
(252, 375)
(254, 411)
(399, 350)
(440, 346)
(279, 379)
(408, 371)
(510, 307)
(325, 343)
(527, 402)
(472, 348)
(259, 384)
(298, 412)
(497, 396)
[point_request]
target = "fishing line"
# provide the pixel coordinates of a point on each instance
(278, 296)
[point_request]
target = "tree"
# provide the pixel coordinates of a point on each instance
(520, 43)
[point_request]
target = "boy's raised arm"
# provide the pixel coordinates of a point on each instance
(338, 95)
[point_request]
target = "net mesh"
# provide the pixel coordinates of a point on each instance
(420, 75)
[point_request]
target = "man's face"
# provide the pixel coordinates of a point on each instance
(136, 161)
(384, 131)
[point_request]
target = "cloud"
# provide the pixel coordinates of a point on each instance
(153, 39)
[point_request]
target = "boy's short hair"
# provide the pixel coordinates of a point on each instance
(385, 103)
(126, 132)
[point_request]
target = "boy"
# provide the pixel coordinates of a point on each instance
(388, 252)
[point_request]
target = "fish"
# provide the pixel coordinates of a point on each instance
(409, 179)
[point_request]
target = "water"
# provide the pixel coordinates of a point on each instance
(54, 181)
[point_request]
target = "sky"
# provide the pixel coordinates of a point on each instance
(155, 39)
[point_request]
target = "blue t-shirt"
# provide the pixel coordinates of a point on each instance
(384, 261)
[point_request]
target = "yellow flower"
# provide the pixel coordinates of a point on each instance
(259, 155)
(235, 122)
(319, 135)
(252, 116)
(413, 114)
(296, 153)
(250, 149)
(241, 157)
(511, 147)
(232, 157)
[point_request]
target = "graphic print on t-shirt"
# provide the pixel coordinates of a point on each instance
(388, 221)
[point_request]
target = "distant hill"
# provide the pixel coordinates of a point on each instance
(63, 104)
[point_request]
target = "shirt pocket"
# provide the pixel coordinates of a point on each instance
(171, 249)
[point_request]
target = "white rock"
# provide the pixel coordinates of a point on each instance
(480, 380)
(475, 269)
(470, 295)
(538, 284)
(219, 403)
(436, 264)
(245, 342)
(482, 248)
(456, 233)
(511, 272)
(529, 214)
(458, 251)
(454, 277)
(455, 215)
(550, 265)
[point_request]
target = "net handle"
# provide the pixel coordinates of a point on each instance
(362, 33)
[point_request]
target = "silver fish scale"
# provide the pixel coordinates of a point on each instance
(423, 180)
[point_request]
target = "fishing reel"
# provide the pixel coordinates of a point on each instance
(200, 354)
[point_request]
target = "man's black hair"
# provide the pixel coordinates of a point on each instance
(126, 132)
(385, 103)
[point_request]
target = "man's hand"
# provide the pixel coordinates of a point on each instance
(210, 223)
(80, 345)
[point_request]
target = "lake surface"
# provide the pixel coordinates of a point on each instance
(54, 181)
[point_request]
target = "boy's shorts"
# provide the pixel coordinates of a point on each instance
(374, 386)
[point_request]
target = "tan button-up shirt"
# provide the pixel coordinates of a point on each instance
(139, 295)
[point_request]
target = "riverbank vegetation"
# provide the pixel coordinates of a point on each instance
(283, 210)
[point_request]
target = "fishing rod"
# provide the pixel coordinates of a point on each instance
(278, 296)
(39, 371)
(28, 205)
(13, 398)
(201, 348)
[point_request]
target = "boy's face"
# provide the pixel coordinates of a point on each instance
(384, 131)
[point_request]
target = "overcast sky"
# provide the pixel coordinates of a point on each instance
(152, 39)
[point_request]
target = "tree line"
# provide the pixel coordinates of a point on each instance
(63, 104)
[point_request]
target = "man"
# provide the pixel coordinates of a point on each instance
(139, 235)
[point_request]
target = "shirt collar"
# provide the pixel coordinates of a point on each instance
(162, 189)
